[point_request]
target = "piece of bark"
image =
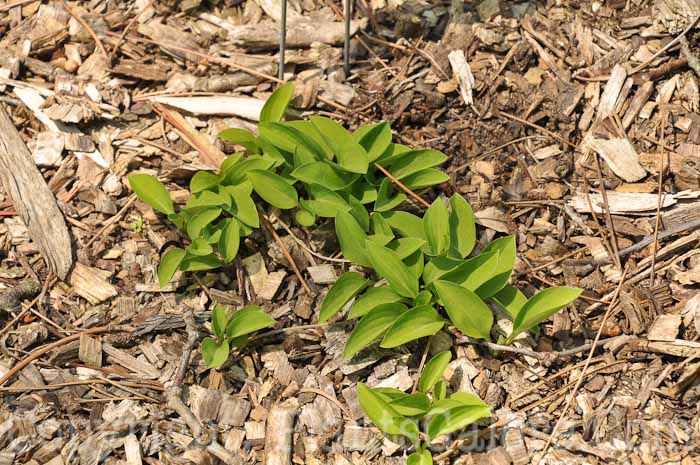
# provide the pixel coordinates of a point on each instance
(322, 274)
(665, 328)
(620, 202)
(301, 34)
(91, 283)
(90, 350)
(619, 154)
(278, 434)
(244, 107)
(461, 71)
(608, 100)
(33, 199)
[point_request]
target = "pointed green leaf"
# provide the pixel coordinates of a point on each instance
(462, 227)
(241, 137)
(149, 189)
(385, 201)
(414, 161)
(371, 326)
(466, 310)
(237, 174)
(420, 457)
(408, 405)
(351, 238)
(214, 353)
(375, 138)
(245, 206)
(169, 263)
(230, 240)
(291, 140)
(229, 163)
(276, 105)
(344, 289)
(405, 246)
(273, 189)
(415, 263)
(541, 306)
(505, 246)
(405, 224)
(433, 370)
(384, 416)
(425, 178)
(203, 180)
(199, 246)
(390, 267)
(437, 267)
(324, 173)
(219, 320)
(197, 263)
(511, 299)
(248, 320)
(372, 299)
(200, 221)
(326, 203)
(414, 324)
(474, 272)
(436, 223)
(303, 216)
(456, 419)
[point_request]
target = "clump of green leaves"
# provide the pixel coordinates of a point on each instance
(315, 167)
(319, 168)
(430, 409)
(231, 330)
(425, 278)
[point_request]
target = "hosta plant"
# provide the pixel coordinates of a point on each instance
(426, 276)
(231, 330)
(315, 167)
(319, 168)
(425, 414)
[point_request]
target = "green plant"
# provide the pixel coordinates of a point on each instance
(400, 414)
(324, 169)
(313, 166)
(421, 266)
(231, 330)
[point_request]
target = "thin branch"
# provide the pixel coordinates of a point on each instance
(266, 223)
(84, 23)
(403, 187)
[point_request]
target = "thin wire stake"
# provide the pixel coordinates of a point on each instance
(346, 44)
(283, 39)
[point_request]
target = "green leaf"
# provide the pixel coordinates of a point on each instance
(455, 419)
(384, 416)
(462, 227)
(511, 299)
(245, 206)
(291, 140)
(273, 189)
(214, 353)
(169, 263)
(372, 299)
(415, 263)
(241, 137)
(433, 370)
(420, 457)
(345, 288)
(149, 189)
(365, 193)
(351, 238)
(440, 390)
(200, 221)
(425, 178)
(230, 240)
(229, 163)
(425, 297)
(437, 267)
(541, 306)
(476, 271)
(276, 105)
(408, 405)
(405, 246)
(381, 231)
(324, 173)
(326, 203)
(307, 128)
(203, 201)
(371, 326)
(304, 217)
(414, 161)
(203, 180)
(219, 320)
(414, 324)
(436, 223)
(199, 246)
(350, 155)
(466, 310)
(237, 174)
(505, 246)
(197, 263)
(405, 224)
(390, 267)
(375, 138)
(248, 320)
(385, 201)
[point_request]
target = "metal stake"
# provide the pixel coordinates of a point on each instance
(283, 39)
(346, 45)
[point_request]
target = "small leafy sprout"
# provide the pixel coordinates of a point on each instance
(230, 332)
(426, 278)
(315, 167)
(399, 414)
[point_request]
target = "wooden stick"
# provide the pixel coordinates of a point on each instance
(402, 185)
(266, 223)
